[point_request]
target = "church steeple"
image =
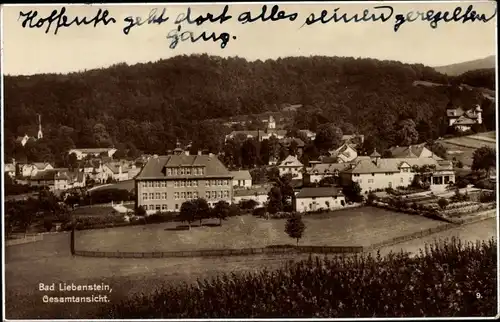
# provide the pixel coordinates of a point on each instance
(40, 133)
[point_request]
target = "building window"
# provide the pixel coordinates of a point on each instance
(157, 196)
(145, 196)
(176, 184)
(164, 207)
(169, 172)
(151, 207)
(163, 195)
(219, 194)
(183, 195)
(151, 195)
(195, 183)
(207, 183)
(174, 171)
(176, 195)
(207, 195)
(182, 171)
(214, 194)
(370, 180)
(158, 207)
(163, 184)
(446, 179)
(202, 171)
(195, 194)
(176, 206)
(188, 171)
(195, 171)
(402, 180)
(183, 183)
(226, 194)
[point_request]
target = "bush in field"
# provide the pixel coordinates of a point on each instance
(448, 279)
(443, 203)
(371, 198)
(140, 211)
(48, 224)
(221, 211)
(487, 196)
(259, 212)
(295, 227)
(249, 204)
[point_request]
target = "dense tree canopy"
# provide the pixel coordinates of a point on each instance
(148, 107)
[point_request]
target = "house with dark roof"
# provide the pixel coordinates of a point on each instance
(242, 179)
(412, 151)
(345, 153)
(381, 173)
(258, 194)
(312, 199)
(166, 181)
(463, 120)
(59, 179)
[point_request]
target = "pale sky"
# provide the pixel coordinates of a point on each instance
(30, 51)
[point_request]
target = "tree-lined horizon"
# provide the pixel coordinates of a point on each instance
(148, 107)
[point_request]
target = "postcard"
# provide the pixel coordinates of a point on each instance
(249, 160)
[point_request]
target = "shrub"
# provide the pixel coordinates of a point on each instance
(448, 279)
(48, 224)
(259, 212)
(442, 202)
(248, 204)
(487, 196)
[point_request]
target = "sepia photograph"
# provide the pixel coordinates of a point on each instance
(259, 160)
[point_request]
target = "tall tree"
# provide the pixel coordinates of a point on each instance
(484, 158)
(328, 137)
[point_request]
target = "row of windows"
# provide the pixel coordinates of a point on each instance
(387, 173)
(154, 196)
(186, 195)
(158, 207)
(196, 171)
(216, 194)
(400, 180)
(185, 183)
(154, 184)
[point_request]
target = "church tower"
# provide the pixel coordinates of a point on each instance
(40, 133)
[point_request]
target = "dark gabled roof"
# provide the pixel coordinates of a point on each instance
(319, 192)
(241, 175)
(155, 166)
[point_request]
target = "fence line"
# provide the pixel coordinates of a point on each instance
(27, 239)
(426, 232)
(225, 252)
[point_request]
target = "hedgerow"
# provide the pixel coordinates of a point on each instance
(445, 279)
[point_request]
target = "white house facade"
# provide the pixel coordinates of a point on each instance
(291, 165)
(242, 179)
(312, 199)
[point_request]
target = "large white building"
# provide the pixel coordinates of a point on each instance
(381, 173)
(311, 199)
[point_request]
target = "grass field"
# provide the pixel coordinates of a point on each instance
(50, 261)
(467, 145)
(351, 227)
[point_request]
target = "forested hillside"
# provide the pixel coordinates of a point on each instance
(460, 68)
(146, 107)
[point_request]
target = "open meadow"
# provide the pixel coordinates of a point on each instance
(351, 227)
(49, 261)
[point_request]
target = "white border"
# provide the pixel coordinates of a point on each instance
(242, 3)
